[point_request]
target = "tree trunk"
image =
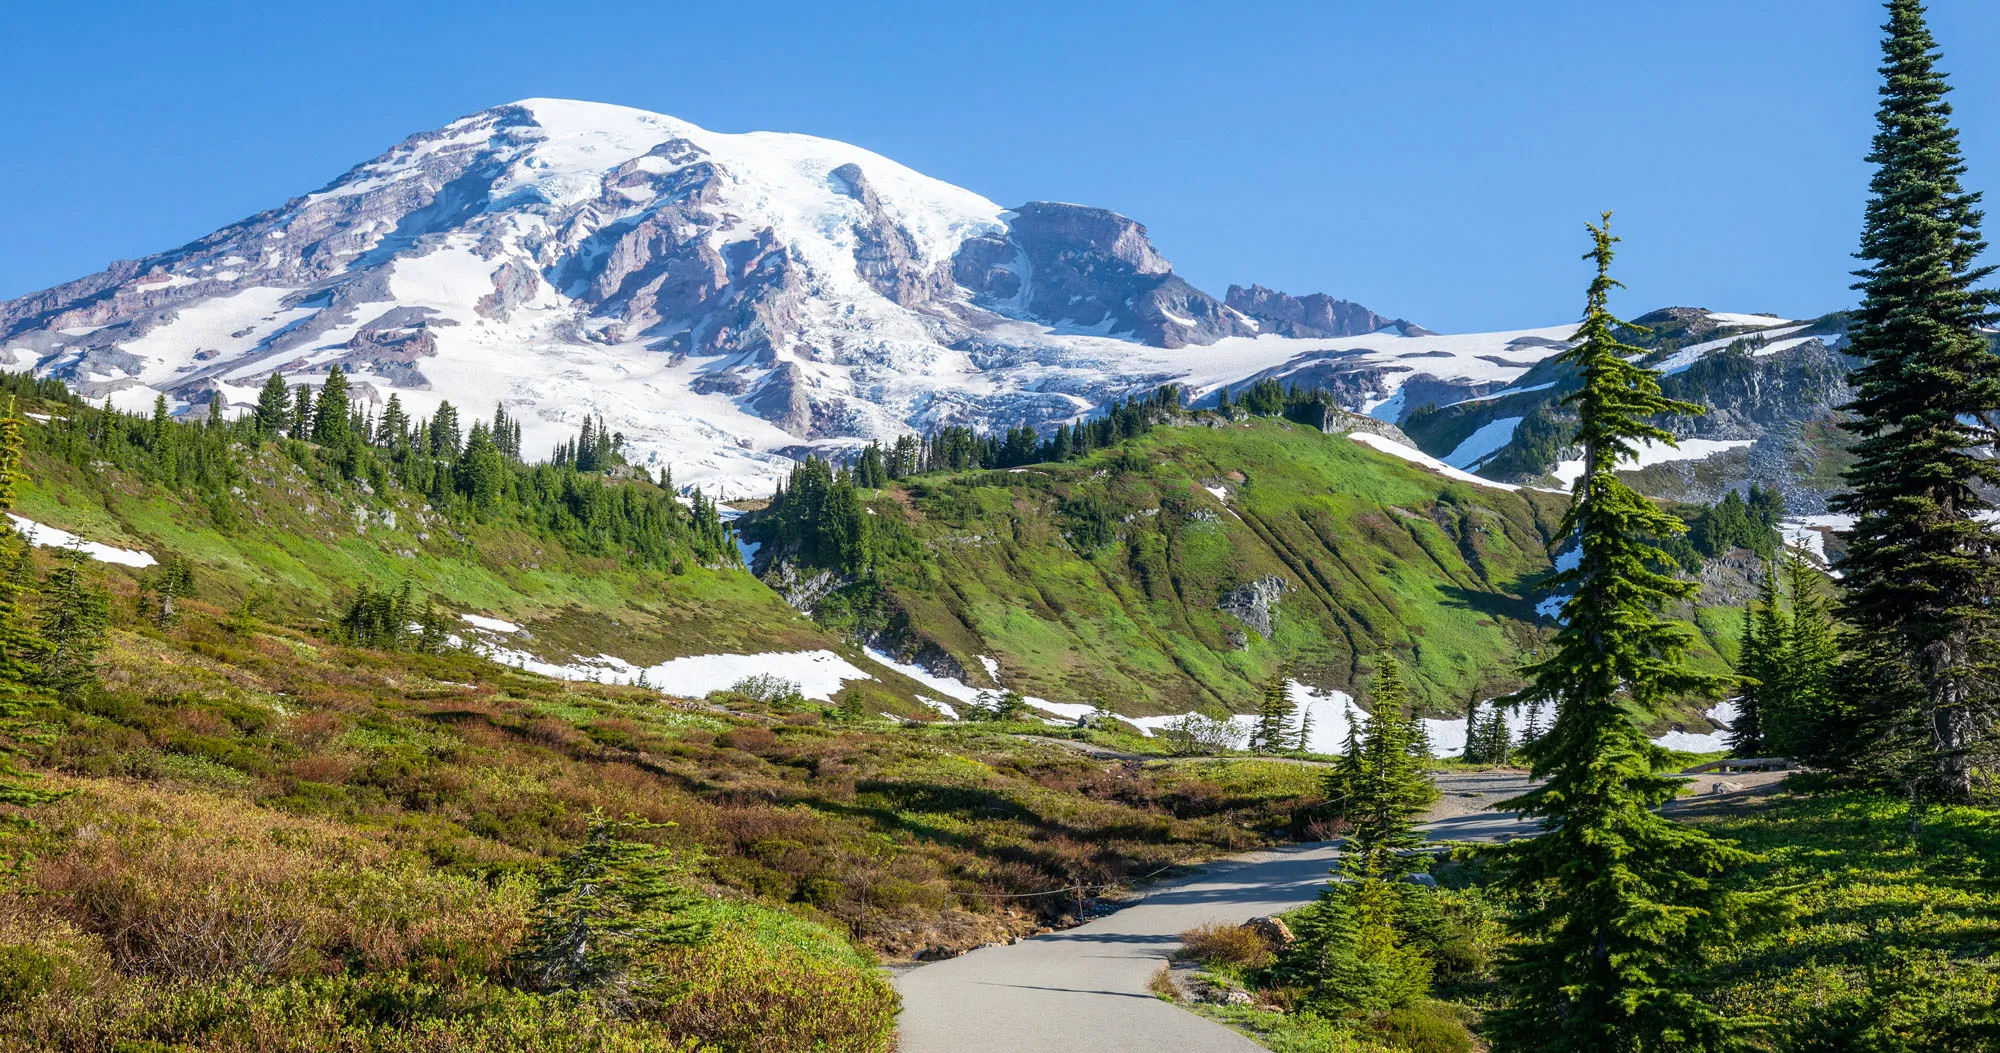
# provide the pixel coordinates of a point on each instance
(1951, 728)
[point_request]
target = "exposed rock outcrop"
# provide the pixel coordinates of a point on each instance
(1253, 603)
(1315, 315)
(1090, 268)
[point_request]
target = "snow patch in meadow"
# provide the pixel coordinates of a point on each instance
(944, 685)
(1723, 713)
(819, 674)
(1808, 533)
(50, 537)
(1221, 493)
(943, 708)
(480, 621)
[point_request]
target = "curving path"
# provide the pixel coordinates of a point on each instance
(1083, 990)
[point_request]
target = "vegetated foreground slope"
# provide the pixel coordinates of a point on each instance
(1185, 567)
(281, 836)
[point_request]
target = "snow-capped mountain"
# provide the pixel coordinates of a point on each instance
(726, 301)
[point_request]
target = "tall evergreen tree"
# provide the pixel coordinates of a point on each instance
(1384, 789)
(393, 430)
(1274, 711)
(1615, 894)
(330, 420)
(274, 406)
(302, 412)
(18, 643)
(1798, 726)
(1919, 568)
(1766, 636)
(445, 436)
(74, 617)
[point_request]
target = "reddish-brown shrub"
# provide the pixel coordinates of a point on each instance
(1219, 944)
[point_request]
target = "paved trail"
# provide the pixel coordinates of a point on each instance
(1083, 990)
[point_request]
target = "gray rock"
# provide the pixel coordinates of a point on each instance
(1090, 267)
(1313, 315)
(1253, 603)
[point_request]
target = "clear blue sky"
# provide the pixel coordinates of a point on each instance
(1434, 159)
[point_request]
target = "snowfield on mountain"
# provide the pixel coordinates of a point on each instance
(727, 302)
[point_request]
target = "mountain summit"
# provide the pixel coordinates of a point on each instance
(726, 301)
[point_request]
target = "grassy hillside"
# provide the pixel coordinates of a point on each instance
(1103, 577)
(286, 528)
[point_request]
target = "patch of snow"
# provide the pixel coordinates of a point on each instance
(1761, 321)
(819, 674)
(1221, 493)
(1504, 394)
(1651, 453)
(1483, 443)
(1397, 449)
(1808, 533)
(992, 667)
(944, 685)
(1723, 713)
(480, 621)
(50, 537)
(943, 708)
(1688, 356)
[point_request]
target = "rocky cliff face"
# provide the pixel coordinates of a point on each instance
(1091, 269)
(1313, 315)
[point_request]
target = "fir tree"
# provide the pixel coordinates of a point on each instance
(1919, 567)
(18, 643)
(1762, 668)
(162, 587)
(1385, 789)
(1798, 726)
(601, 909)
(1274, 711)
(445, 436)
(393, 430)
(73, 626)
(1616, 897)
(274, 406)
(302, 412)
(330, 420)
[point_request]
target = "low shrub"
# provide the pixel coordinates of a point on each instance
(1424, 1027)
(1239, 946)
(738, 994)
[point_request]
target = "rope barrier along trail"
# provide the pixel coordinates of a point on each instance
(1067, 888)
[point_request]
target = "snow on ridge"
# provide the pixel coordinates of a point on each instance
(1762, 321)
(50, 537)
(1397, 449)
(1483, 443)
(1652, 452)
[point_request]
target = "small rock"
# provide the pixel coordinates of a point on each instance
(1725, 787)
(1273, 929)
